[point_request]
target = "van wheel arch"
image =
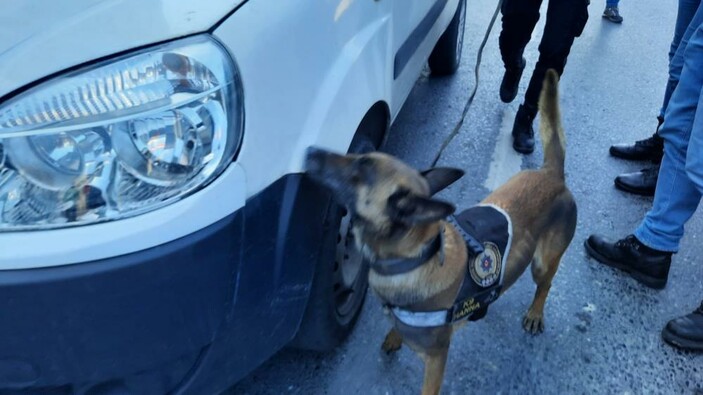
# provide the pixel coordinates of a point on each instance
(326, 322)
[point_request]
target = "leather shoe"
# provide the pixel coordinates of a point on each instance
(523, 133)
(511, 81)
(686, 332)
(643, 182)
(644, 264)
(651, 148)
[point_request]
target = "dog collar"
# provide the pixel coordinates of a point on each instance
(393, 266)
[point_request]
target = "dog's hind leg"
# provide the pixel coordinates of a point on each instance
(550, 249)
(434, 370)
(543, 270)
(392, 342)
(544, 267)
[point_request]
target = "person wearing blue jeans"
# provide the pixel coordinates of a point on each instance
(612, 12)
(644, 182)
(646, 254)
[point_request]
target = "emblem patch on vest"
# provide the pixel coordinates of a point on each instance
(487, 231)
(485, 267)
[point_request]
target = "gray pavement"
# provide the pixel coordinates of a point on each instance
(603, 328)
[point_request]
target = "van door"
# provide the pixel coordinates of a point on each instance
(413, 20)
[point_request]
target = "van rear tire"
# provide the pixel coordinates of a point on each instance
(446, 55)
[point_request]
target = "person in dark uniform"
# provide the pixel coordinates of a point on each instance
(565, 21)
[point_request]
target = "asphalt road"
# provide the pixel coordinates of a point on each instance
(603, 328)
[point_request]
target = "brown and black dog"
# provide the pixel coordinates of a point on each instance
(394, 216)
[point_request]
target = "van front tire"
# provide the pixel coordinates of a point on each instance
(341, 279)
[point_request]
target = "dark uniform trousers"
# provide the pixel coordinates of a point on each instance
(565, 21)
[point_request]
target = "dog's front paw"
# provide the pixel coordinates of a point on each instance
(533, 323)
(392, 342)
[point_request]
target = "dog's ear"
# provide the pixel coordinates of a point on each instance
(410, 209)
(441, 177)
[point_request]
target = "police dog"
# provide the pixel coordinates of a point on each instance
(394, 216)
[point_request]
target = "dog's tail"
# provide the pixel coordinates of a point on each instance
(551, 130)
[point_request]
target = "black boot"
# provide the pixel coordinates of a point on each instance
(643, 182)
(523, 134)
(511, 81)
(686, 332)
(644, 264)
(651, 148)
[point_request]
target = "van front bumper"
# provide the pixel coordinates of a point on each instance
(193, 315)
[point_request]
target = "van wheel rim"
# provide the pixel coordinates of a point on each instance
(348, 265)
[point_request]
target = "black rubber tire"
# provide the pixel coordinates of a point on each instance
(446, 55)
(323, 327)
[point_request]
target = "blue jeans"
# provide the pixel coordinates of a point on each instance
(680, 184)
(611, 3)
(687, 11)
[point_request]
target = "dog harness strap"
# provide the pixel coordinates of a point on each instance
(393, 266)
(420, 318)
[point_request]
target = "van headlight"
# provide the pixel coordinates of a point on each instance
(119, 138)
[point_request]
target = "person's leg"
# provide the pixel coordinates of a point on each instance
(677, 197)
(689, 17)
(646, 255)
(686, 332)
(694, 155)
(684, 15)
(519, 20)
(644, 182)
(565, 21)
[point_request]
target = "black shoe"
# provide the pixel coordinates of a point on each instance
(643, 182)
(523, 134)
(511, 81)
(686, 332)
(646, 265)
(612, 14)
(651, 148)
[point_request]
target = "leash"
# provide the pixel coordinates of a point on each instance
(470, 100)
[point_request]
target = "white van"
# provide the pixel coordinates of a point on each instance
(156, 235)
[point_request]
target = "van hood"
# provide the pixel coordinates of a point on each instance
(40, 37)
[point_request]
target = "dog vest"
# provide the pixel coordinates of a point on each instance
(487, 231)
